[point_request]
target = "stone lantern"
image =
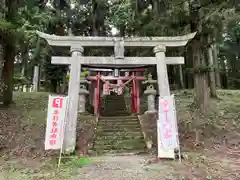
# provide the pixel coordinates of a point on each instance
(151, 93)
(83, 92)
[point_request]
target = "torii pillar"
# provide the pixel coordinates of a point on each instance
(164, 90)
(73, 93)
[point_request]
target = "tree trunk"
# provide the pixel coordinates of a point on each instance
(213, 91)
(216, 65)
(54, 85)
(24, 62)
(36, 77)
(189, 64)
(122, 30)
(200, 77)
(8, 75)
(181, 77)
(2, 51)
(11, 9)
(95, 31)
(1, 70)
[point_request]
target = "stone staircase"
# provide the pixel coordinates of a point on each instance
(114, 105)
(117, 130)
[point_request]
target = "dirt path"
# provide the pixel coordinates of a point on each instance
(120, 168)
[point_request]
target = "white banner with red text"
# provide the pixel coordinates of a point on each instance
(167, 125)
(57, 108)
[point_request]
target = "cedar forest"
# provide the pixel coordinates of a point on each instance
(211, 58)
(208, 82)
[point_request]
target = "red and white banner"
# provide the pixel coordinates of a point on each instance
(167, 124)
(57, 108)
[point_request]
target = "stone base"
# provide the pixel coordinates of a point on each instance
(150, 112)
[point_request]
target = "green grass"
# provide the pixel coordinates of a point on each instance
(69, 169)
(27, 118)
(28, 114)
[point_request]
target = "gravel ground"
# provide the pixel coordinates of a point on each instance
(120, 168)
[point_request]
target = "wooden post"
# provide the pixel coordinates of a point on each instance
(73, 93)
(98, 93)
(164, 90)
(133, 93)
(36, 79)
(92, 92)
(137, 95)
(95, 98)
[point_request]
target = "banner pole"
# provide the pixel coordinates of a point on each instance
(176, 125)
(63, 131)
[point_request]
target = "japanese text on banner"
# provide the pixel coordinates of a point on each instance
(167, 123)
(55, 122)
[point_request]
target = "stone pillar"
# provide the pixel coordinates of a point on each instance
(164, 90)
(73, 94)
(163, 83)
(30, 88)
(151, 93)
(24, 88)
(83, 92)
(91, 91)
(36, 79)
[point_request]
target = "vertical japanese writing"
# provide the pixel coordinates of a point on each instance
(55, 122)
(167, 123)
(56, 105)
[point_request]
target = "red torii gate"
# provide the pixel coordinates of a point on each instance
(135, 87)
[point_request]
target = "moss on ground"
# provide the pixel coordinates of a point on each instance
(22, 154)
(209, 142)
(22, 130)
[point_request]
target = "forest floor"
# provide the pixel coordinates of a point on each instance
(216, 155)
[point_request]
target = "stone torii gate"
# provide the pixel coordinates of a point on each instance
(77, 44)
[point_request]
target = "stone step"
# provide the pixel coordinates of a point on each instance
(117, 134)
(121, 146)
(120, 117)
(114, 100)
(120, 142)
(119, 138)
(116, 104)
(119, 130)
(117, 101)
(113, 97)
(112, 108)
(118, 126)
(119, 111)
(120, 103)
(114, 152)
(114, 114)
(118, 123)
(108, 110)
